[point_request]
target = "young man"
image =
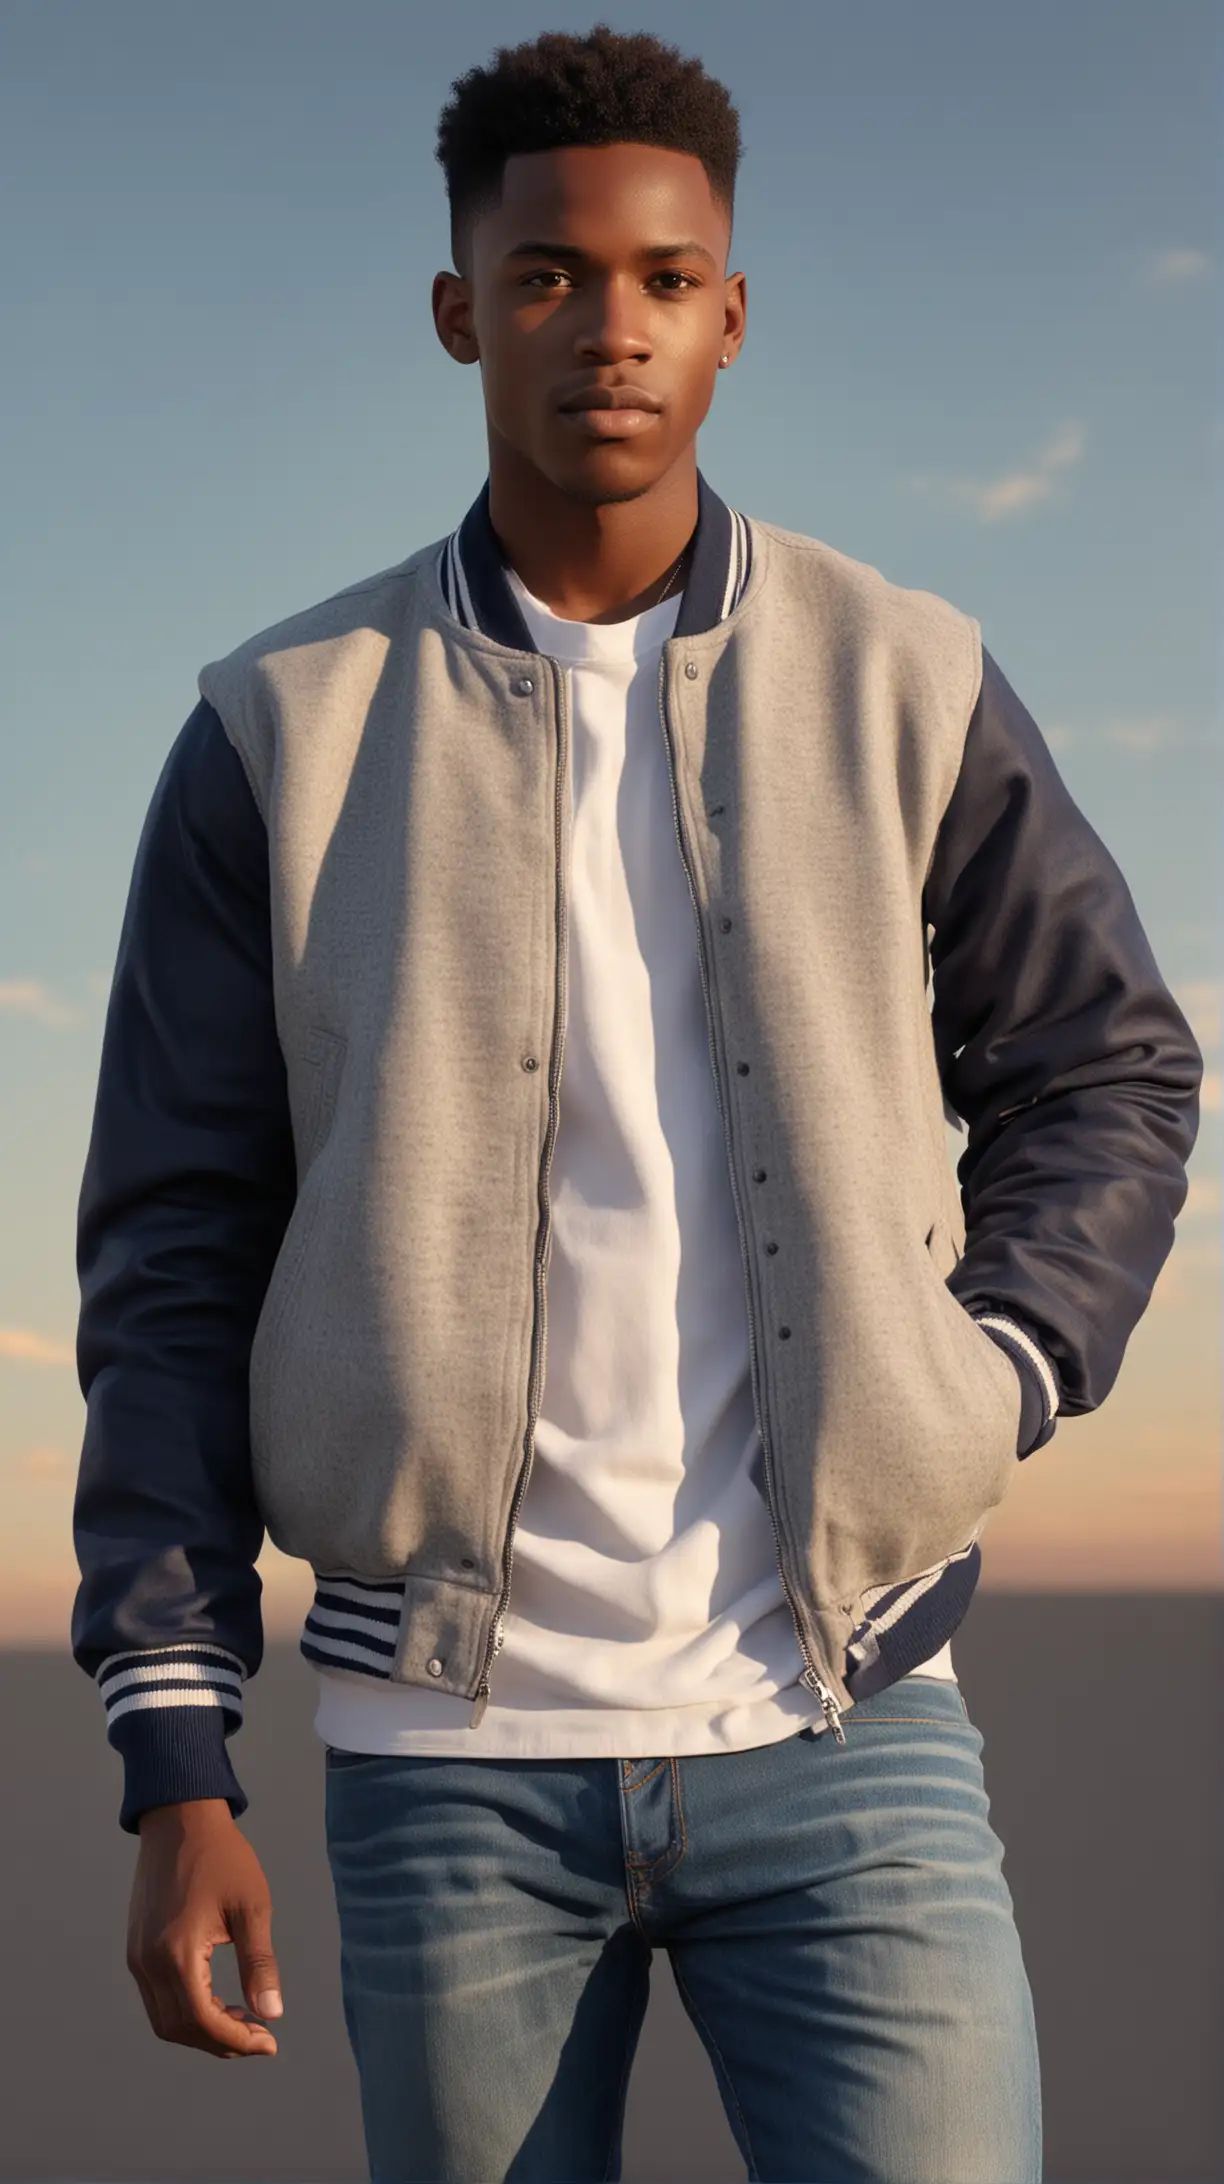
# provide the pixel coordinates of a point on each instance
(518, 1181)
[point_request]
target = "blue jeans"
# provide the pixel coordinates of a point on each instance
(837, 1920)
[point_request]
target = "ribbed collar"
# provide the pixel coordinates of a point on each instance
(472, 572)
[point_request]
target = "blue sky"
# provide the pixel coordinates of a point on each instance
(982, 249)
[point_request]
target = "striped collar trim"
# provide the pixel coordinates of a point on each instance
(472, 572)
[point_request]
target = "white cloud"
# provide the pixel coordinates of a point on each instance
(27, 1348)
(30, 997)
(1142, 734)
(1154, 732)
(1171, 268)
(994, 499)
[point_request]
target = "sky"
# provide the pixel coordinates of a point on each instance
(983, 258)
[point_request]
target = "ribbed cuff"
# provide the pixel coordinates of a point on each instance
(1038, 1388)
(171, 1754)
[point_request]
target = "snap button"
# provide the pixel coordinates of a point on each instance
(771, 1248)
(742, 1068)
(433, 1668)
(725, 924)
(690, 669)
(758, 1175)
(524, 686)
(784, 1332)
(530, 1062)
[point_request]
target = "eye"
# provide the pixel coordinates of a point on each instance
(553, 273)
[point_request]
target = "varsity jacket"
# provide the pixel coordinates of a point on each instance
(314, 1218)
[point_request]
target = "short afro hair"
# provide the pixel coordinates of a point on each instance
(606, 88)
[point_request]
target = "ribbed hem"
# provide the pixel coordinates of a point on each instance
(170, 1755)
(908, 1623)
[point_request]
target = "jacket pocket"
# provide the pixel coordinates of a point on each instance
(993, 1381)
(984, 1392)
(323, 1056)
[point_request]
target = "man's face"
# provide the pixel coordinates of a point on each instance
(603, 265)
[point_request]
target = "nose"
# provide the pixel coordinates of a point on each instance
(612, 331)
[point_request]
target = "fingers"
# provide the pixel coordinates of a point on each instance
(176, 1989)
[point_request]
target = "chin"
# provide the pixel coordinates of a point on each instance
(593, 491)
(600, 496)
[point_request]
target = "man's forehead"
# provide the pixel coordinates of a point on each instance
(585, 174)
(574, 195)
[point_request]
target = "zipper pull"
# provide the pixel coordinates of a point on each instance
(832, 1713)
(482, 1689)
(828, 1704)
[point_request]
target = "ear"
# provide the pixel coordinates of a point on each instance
(735, 313)
(451, 300)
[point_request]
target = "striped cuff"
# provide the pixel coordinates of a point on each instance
(169, 1711)
(1038, 1387)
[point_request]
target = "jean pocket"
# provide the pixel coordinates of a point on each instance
(912, 1698)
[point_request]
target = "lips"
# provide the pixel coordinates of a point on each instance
(620, 396)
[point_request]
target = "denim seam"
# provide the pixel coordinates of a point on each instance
(632, 1786)
(931, 1721)
(753, 2171)
(630, 1877)
(641, 1868)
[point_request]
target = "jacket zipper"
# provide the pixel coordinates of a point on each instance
(498, 1632)
(810, 1676)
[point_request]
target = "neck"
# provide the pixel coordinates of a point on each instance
(591, 561)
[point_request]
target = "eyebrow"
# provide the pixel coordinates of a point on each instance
(649, 251)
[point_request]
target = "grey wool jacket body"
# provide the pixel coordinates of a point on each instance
(404, 755)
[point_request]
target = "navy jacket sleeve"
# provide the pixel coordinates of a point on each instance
(188, 1186)
(1060, 1045)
